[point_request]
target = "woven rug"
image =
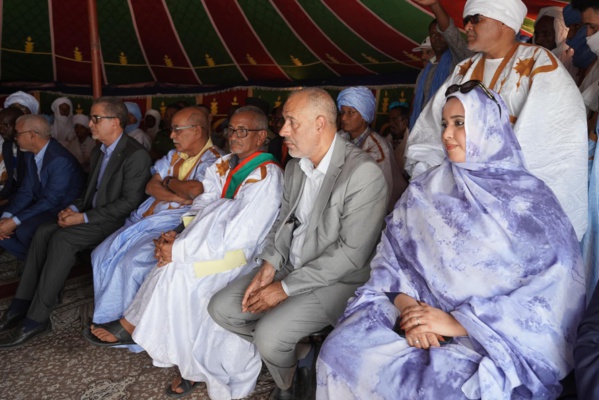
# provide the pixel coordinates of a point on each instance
(62, 365)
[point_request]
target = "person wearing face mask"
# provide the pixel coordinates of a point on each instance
(583, 58)
(132, 128)
(545, 106)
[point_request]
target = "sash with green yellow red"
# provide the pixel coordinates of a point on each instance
(243, 170)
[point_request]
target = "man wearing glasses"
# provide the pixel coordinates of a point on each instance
(120, 169)
(52, 181)
(124, 259)
(546, 108)
(225, 229)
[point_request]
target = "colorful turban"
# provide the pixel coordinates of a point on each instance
(23, 99)
(510, 12)
(361, 99)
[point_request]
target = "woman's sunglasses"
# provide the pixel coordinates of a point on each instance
(468, 87)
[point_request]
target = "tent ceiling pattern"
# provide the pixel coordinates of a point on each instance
(217, 43)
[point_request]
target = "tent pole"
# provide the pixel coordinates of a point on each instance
(95, 47)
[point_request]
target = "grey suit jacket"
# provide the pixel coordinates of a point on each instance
(123, 184)
(344, 227)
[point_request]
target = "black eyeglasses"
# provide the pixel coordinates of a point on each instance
(241, 132)
(473, 19)
(96, 118)
(468, 87)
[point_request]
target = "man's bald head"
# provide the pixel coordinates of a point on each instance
(192, 139)
(310, 123)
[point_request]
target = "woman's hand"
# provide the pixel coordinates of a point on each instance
(421, 319)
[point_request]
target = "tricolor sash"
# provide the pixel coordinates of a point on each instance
(243, 170)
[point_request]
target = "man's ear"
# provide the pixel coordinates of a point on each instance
(262, 137)
(321, 123)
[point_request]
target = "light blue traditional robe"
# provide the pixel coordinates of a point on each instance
(122, 261)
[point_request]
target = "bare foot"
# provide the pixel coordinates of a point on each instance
(108, 337)
(175, 386)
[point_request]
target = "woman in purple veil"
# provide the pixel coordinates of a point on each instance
(483, 269)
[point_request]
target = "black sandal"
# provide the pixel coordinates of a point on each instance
(114, 327)
(186, 385)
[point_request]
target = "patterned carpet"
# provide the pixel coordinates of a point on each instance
(62, 365)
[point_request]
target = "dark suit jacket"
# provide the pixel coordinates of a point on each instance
(344, 227)
(12, 185)
(586, 352)
(123, 184)
(59, 183)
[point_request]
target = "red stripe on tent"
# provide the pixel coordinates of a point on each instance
(320, 44)
(160, 43)
(371, 28)
(245, 47)
(71, 42)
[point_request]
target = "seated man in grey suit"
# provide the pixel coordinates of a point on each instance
(319, 249)
(120, 169)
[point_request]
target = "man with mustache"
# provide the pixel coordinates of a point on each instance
(546, 108)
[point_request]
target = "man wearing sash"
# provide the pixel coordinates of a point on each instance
(123, 260)
(225, 229)
(546, 108)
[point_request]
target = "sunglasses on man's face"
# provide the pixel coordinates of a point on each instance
(473, 19)
(468, 87)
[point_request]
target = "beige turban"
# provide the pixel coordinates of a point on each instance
(510, 12)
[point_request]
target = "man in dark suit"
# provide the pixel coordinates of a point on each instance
(120, 169)
(53, 180)
(12, 157)
(318, 252)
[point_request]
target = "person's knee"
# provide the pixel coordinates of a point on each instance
(45, 231)
(218, 307)
(272, 340)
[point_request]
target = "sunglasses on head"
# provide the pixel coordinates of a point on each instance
(473, 19)
(468, 87)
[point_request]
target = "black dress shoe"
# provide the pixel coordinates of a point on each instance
(10, 320)
(19, 335)
(304, 387)
(280, 394)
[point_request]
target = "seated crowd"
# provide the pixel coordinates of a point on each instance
(468, 282)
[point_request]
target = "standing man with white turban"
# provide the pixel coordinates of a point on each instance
(63, 128)
(23, 101)
(357, 107)
(546, 108)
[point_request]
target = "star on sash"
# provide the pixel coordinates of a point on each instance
(465, 67)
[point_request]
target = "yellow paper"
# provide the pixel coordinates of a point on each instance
(233, 259)
(187, 220)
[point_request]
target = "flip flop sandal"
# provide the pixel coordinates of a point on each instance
(186, 385)
(114, 327)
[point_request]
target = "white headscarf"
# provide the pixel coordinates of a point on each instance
(81, 120)
(63, 128)
(559, 26)
(510, 12)
(23, 99)
(154, 130)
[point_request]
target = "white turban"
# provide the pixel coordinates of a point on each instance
(510, 12)
(559, 26)
(63, 128)
(23, 99)
(361, 99)
(81, 120)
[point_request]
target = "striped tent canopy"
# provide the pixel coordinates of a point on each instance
(194, 46)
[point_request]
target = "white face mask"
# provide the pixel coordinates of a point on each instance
(593, 42)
